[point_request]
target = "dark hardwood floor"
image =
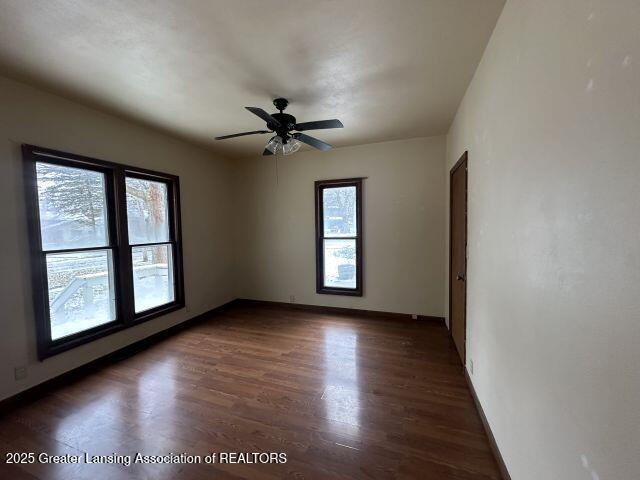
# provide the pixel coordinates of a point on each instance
(343, 396)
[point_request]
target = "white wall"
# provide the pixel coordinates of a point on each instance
(403, 225)
(28, 115)
(552, 124)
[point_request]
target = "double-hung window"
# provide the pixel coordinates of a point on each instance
(151, 240)
(339, 236)
(105, 246)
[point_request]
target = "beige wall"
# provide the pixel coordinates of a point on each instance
(28, 115)
(403, 225)
(246, 233)
(552, 124)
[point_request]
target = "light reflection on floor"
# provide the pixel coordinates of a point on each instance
(157, 396)
(99, 427)
(341, 394)
(156, 391)
(157, 386)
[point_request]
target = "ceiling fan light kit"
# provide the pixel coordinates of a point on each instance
(288, 138)
(278, 146)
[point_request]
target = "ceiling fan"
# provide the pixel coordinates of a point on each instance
(286, 141)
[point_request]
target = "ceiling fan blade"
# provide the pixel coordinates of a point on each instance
(267, 152)
(319, 125)
(223, 137)
(265, 116)
(314, 142)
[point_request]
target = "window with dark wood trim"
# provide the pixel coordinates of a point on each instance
(339, 236)
(105, 245)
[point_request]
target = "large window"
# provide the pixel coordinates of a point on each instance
(105, 244)
(339, 237)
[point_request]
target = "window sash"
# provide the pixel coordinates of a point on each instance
(170, 278)
(111, 277)
(115, 175)
(341, 238)
(174, 230)
(321, 288)
(151, 244)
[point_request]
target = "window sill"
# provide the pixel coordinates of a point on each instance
(156, 312)
(339, 291)
(62, 345)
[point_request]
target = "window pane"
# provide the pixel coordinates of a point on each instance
(340, 263)
(81, 292)
(339, 209)
(72, 207)
(147, 211)
(152, 276)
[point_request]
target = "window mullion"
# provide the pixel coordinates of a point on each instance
(125, 264)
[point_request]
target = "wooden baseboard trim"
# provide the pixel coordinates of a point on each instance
(336, 310)
(70, 376)
(492, 440)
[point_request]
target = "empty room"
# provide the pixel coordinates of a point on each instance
(356, 239)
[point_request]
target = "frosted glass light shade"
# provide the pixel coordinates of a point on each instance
(278, 147)
(274, 145)
(292, 146)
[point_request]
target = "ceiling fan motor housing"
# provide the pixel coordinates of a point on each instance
(287, 122)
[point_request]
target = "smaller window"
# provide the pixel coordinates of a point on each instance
(339, 237)
(151, 243)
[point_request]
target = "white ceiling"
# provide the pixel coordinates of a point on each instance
(387, 69)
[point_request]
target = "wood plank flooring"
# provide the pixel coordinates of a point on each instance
(345, 397)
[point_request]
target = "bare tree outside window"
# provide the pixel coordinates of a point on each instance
(339, 207)
(72, 207)
(148, 221)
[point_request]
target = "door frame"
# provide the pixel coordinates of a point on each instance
(463, 160)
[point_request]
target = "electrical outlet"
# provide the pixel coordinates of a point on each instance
(292, 299)
(471, 366)
(414, 316)
(20, 373)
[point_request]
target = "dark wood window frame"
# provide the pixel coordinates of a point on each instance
(320, 186)
(115, 176)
